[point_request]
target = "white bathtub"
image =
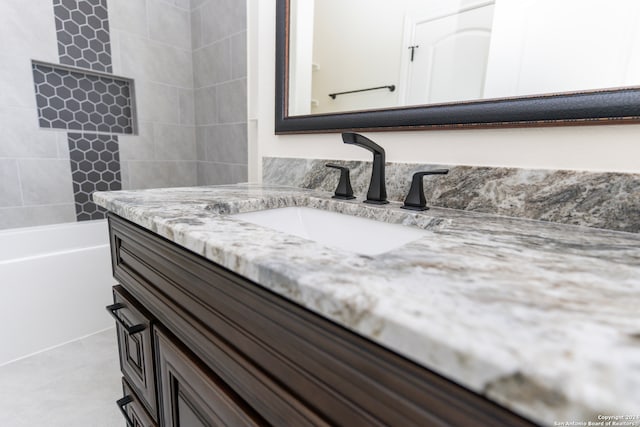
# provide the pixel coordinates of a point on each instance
(54, 284)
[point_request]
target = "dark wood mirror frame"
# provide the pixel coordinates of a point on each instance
(609, 106)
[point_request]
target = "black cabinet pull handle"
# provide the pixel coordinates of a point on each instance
(130, 329)
(121, 405)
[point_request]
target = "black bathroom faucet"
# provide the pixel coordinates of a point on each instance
(377, 193)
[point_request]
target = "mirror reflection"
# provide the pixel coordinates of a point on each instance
(377, 54)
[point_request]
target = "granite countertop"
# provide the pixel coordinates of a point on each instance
(541, 317)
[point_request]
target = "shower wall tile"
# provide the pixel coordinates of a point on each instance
(239, 55)
(27, 29)
(27, 216)
(75, 100)
(186, 99)
(155, 61)
(45, 181)
(10, 194)
(41, 157)
(16, 84)
(21, 136)
(95, 166)
(151, 41)
(197, 3)
(224, 143)
(219, 63)
(203, 136)
(157, 102)
(221, 173)
(212, 64)
(82, 101)
(62, 145)
(154, 174)
(201, 149)
(169, 24)
(116, 59)
(158, 55)
(232, 102)
(124, 174)
(140, 146)
(174, 142)
(129, 16)
(82, 30)
(196, 29)
(223, 18)
(206, 106)
(183, 4)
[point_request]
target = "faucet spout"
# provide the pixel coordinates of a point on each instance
(377, 193)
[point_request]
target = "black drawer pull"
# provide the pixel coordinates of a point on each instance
(121, 404)
(130, 329)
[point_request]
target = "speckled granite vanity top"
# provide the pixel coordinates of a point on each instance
(541, 317)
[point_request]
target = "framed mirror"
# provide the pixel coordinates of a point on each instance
(377, 65)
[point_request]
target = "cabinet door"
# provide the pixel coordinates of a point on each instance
(134, 346)
(190, 395)
(133, 411)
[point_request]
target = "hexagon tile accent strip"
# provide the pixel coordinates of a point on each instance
(82, 29)
(95, 166)
(82, 101)
(82, 96)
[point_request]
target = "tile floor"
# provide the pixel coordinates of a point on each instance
(74, 385)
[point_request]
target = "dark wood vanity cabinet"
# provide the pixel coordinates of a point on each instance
(226, 351)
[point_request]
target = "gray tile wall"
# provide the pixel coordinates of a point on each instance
(218, 37)
(151, 43)
(191, 120)
(35, 177)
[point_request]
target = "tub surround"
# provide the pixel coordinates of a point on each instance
(537, 316)
(44, 272)
(593, 199)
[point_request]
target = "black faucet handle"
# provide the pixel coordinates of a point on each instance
(415, 199)
(343, 190)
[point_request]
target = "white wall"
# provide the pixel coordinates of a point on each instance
(595, 148)
(371, 58)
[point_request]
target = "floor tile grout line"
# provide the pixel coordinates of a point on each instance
(55, 346)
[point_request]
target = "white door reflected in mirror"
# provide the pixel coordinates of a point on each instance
(448, 55)
(468, 50)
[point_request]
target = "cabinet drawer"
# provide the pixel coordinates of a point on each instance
(135, 347)
(191, 395)
(136, 415)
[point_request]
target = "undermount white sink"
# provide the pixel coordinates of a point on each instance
(361, 235)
